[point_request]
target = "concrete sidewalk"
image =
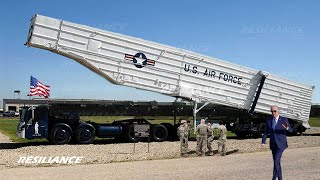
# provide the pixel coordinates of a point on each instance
(299, 164)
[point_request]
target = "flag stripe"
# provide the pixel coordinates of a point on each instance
(37, 88)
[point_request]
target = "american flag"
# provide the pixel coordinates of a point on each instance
(37, 88)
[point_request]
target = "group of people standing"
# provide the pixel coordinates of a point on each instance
(204, 136)
(276, 127)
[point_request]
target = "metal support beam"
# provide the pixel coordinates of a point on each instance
(195, 111)
(205, 104)
(195, 104)
(257, 95)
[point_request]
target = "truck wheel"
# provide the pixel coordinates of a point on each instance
(49, 139)
(60, 135)
(85, 134)
(300, 130)
(159, 133)
(130, 134)
(241, 135)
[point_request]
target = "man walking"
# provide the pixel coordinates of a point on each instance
(183, 133)
(276, 126)
(202, 131)
(222, 139)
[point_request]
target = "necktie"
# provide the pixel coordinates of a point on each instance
(274, 124)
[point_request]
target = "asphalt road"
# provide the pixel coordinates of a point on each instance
(302, 163)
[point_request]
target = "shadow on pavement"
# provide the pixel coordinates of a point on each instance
(215, 152)
(314, 134)
(47, 143)
(20, 145)
(232, 152)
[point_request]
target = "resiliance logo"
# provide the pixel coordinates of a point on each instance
(50, 160)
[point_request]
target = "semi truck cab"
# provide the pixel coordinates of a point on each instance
(33, 122)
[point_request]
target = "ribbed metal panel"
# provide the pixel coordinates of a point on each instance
(151, 66)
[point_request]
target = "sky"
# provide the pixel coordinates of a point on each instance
(280, 37)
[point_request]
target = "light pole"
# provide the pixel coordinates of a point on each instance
(14, 94)
(14, 97)
(29, 99)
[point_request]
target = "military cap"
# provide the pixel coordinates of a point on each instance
(183, 121)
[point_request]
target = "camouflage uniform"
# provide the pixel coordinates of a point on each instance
(210, 139)
(183, 133)
(222, 133)
(202, 131)
(187, 139)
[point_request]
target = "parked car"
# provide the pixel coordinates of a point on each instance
(10, 114)
(214, 123)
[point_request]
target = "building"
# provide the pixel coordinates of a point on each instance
(15, 104)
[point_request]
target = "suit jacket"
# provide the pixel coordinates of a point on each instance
(278, 137)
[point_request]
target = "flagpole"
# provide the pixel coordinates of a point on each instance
(48, 101)
(29, 91)
(29, 99)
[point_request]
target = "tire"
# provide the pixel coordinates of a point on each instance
(60, 135)
(241, 135)
(85, 134)
(159, 133)
(130, 134)
(300, 130)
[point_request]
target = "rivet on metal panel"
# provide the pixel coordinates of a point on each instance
(94, 34)
(156, 82)
(119, 79)
(48, 45)
(161, 54)
(201, 60)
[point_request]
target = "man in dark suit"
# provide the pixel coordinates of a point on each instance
(276, 126)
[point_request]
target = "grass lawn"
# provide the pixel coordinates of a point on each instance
(8, 126)
(314, 122)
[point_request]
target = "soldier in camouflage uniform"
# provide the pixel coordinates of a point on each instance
(202, 133)
(210, 139)
(222, 139)
(189, 128)
(183, 133)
